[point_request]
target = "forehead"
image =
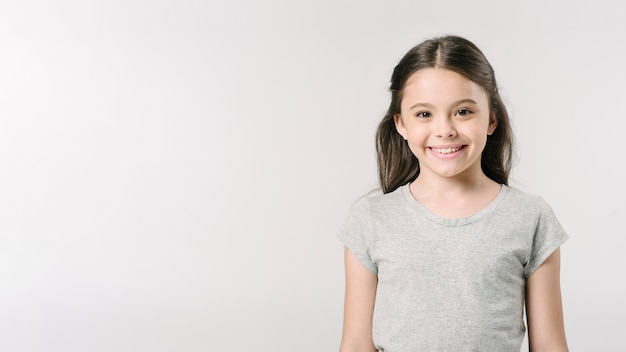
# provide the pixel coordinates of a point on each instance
(438, 86)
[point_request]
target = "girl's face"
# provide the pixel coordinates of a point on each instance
(445, 119)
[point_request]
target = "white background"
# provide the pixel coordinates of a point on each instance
(174, 172)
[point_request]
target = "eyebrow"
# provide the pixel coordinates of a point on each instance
(458, 102)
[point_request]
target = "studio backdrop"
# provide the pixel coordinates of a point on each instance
(174, 173)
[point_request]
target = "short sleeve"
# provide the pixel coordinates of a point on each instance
(356, 235)
(549, 235)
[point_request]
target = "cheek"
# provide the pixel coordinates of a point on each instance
(482, 130)
(416, 135)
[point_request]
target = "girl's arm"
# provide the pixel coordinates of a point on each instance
(358, 307)
(544, 310)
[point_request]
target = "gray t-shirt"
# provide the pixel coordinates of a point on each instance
(450, 284)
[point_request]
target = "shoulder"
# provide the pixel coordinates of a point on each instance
(523, 200)
(529, 208)
(377, 201)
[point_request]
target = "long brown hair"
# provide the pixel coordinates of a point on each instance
(397, 165)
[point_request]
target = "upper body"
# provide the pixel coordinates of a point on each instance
(450, 284)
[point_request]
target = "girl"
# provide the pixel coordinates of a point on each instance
(444, 257)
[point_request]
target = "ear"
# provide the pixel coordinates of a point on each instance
(397, 119)
(493, 123)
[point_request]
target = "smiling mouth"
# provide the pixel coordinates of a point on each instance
(446, 150)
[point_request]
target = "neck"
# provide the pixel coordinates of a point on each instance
(435, 186)
(454, 198)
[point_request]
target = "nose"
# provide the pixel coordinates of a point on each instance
(445, 128)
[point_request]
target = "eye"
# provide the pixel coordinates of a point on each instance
(423, 114)
(463, 112)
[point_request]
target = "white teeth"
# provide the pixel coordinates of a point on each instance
(445, 150)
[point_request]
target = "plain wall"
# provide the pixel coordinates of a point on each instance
(174, 172)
